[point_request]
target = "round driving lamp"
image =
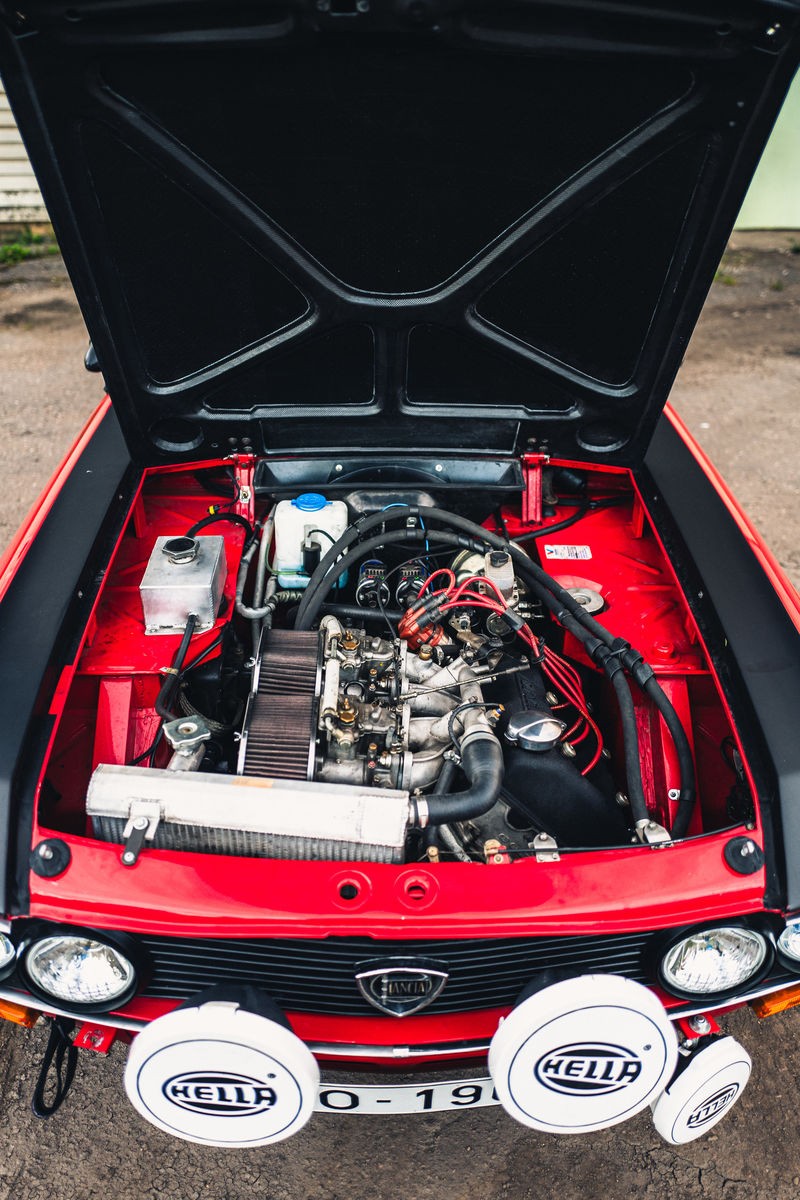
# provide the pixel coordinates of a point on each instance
(789, 940)
(80, 969)
(714, 962)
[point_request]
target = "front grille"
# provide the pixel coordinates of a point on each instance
(318, 976)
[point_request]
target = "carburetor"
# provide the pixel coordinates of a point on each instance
(363, 721)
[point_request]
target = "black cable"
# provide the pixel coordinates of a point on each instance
(384, 614)
(234, 518)
(585, 508)
(499, 521)
(212, 645)
(324, 533)
(151, 749)
(459, 709)
(169, 685)
(578, 515)
(62, 1056)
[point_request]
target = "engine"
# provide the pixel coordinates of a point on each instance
(453, 725)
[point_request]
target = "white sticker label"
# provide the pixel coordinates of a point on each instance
(568, 552)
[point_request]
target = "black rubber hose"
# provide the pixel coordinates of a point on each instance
(356, 612)
(482, 763)
(441, 788)
(683, 750)
(233, 518)
(172, 678)
(630, 746)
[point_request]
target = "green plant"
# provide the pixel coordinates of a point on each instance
(18, 243)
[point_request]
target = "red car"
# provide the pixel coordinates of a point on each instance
(387, 682)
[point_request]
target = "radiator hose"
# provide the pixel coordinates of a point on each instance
(482, 763)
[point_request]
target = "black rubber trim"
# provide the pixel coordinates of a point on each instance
(754, 645)
(42, 617)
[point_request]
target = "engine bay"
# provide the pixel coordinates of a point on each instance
(391, 676)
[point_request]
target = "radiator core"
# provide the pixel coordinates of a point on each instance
(250, 816)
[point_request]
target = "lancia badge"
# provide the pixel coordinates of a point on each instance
(401, 986)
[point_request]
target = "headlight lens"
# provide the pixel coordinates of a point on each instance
(78, 969)
(789, 941)
(714, 960)
(7, 952)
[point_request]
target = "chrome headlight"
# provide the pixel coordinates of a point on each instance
(789, 941)
(8, 953)
(79, 970)
(715, 960)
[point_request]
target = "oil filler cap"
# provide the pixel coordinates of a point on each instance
(702, 1092)
(221, 1075)
(583, 1054)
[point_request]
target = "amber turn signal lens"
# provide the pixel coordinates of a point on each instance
(776, 1002)
(19, 1015)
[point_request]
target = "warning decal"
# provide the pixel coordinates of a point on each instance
(582, 552)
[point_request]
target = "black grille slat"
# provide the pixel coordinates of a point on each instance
(319, 975)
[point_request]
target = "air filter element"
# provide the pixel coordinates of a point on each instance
(280, 727)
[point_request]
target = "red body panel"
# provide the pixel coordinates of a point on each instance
(185, 894)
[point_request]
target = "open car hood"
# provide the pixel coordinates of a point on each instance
(392, 224)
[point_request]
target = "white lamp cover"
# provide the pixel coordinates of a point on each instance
(583, 1054)
(222, 1076)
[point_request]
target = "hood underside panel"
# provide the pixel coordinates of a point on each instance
(294, 228)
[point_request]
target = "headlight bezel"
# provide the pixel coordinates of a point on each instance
(124, 945)
(740, 925)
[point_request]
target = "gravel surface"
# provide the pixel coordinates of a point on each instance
(739, 391)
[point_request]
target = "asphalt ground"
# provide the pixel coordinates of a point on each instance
(739, 391)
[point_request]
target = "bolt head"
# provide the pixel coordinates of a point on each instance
(45, 852)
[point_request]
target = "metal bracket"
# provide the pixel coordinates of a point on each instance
(651, 833)
(546, 848)
(143, 820)
(532, 497)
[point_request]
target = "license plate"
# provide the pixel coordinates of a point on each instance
(370, 1099)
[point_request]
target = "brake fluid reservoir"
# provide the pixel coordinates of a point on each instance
(307, 518)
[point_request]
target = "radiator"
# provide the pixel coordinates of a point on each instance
(249, 816)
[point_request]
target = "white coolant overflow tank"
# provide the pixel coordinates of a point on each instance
(311, 516)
